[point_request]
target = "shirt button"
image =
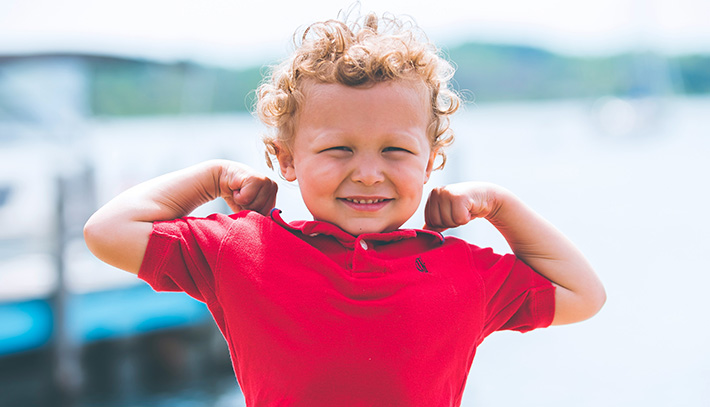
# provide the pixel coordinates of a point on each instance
(363, 244)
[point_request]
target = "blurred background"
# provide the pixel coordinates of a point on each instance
(595, 113)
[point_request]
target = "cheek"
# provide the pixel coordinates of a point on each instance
(413, 172)
(316, 178)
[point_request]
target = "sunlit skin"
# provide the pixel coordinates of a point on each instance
(362, 155)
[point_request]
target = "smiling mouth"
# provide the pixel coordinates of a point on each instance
(365, 201)
(366, 204)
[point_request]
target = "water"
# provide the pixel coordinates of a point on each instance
(625, 181)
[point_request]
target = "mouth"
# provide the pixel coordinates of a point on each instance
(367, 204)
(365, 201)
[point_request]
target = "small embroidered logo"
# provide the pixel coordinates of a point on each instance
(421, 266)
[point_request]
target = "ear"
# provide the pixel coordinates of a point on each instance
(285, 158)
(430, 164)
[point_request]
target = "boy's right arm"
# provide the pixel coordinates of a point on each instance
(118, 232)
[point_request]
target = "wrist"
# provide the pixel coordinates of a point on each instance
(212, 176)
(499, 201)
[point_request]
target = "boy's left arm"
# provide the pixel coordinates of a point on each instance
(579, 293)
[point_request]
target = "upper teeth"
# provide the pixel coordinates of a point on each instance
(364, 201)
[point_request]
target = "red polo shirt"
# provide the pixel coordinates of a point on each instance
(317, 317)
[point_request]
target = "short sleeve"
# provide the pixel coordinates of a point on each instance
(516, 297)
(182, 255)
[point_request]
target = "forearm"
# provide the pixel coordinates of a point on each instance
(168, 196)
(546, 250)
(118, 232)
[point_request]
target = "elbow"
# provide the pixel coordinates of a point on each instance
(594, 303)
(118, 243)
(599, 300)
(574, 307)
(91, 235)
(595, 297)
(97, 235)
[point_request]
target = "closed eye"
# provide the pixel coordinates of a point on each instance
(337, 148)
(395, 149)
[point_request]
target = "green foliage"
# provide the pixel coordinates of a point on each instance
(508, 72)
(485, 73)
(130, 87)
(122, 87)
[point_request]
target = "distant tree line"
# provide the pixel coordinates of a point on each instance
(127, 87)
(485, 73)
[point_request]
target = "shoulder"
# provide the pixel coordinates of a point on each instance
(481, 257)
(490, 266)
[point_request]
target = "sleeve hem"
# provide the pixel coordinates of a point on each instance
(545, 306)
(154, 258)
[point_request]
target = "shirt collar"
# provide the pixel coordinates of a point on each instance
(313, 228)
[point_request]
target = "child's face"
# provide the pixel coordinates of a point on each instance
(361, 155)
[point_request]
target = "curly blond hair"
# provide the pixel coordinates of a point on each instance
(364, 52)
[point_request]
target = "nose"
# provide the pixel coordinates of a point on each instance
(367, 170)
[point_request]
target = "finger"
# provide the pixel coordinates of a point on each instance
(460, 213)
(446, 214)
(259, 195)
(265, 198)
(431, 211)
(247, 192)
(241, 199)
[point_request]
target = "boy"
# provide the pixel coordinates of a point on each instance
(348, 309)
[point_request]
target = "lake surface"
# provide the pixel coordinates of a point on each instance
(627, 181)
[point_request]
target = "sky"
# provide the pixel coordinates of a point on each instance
(241, 32)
